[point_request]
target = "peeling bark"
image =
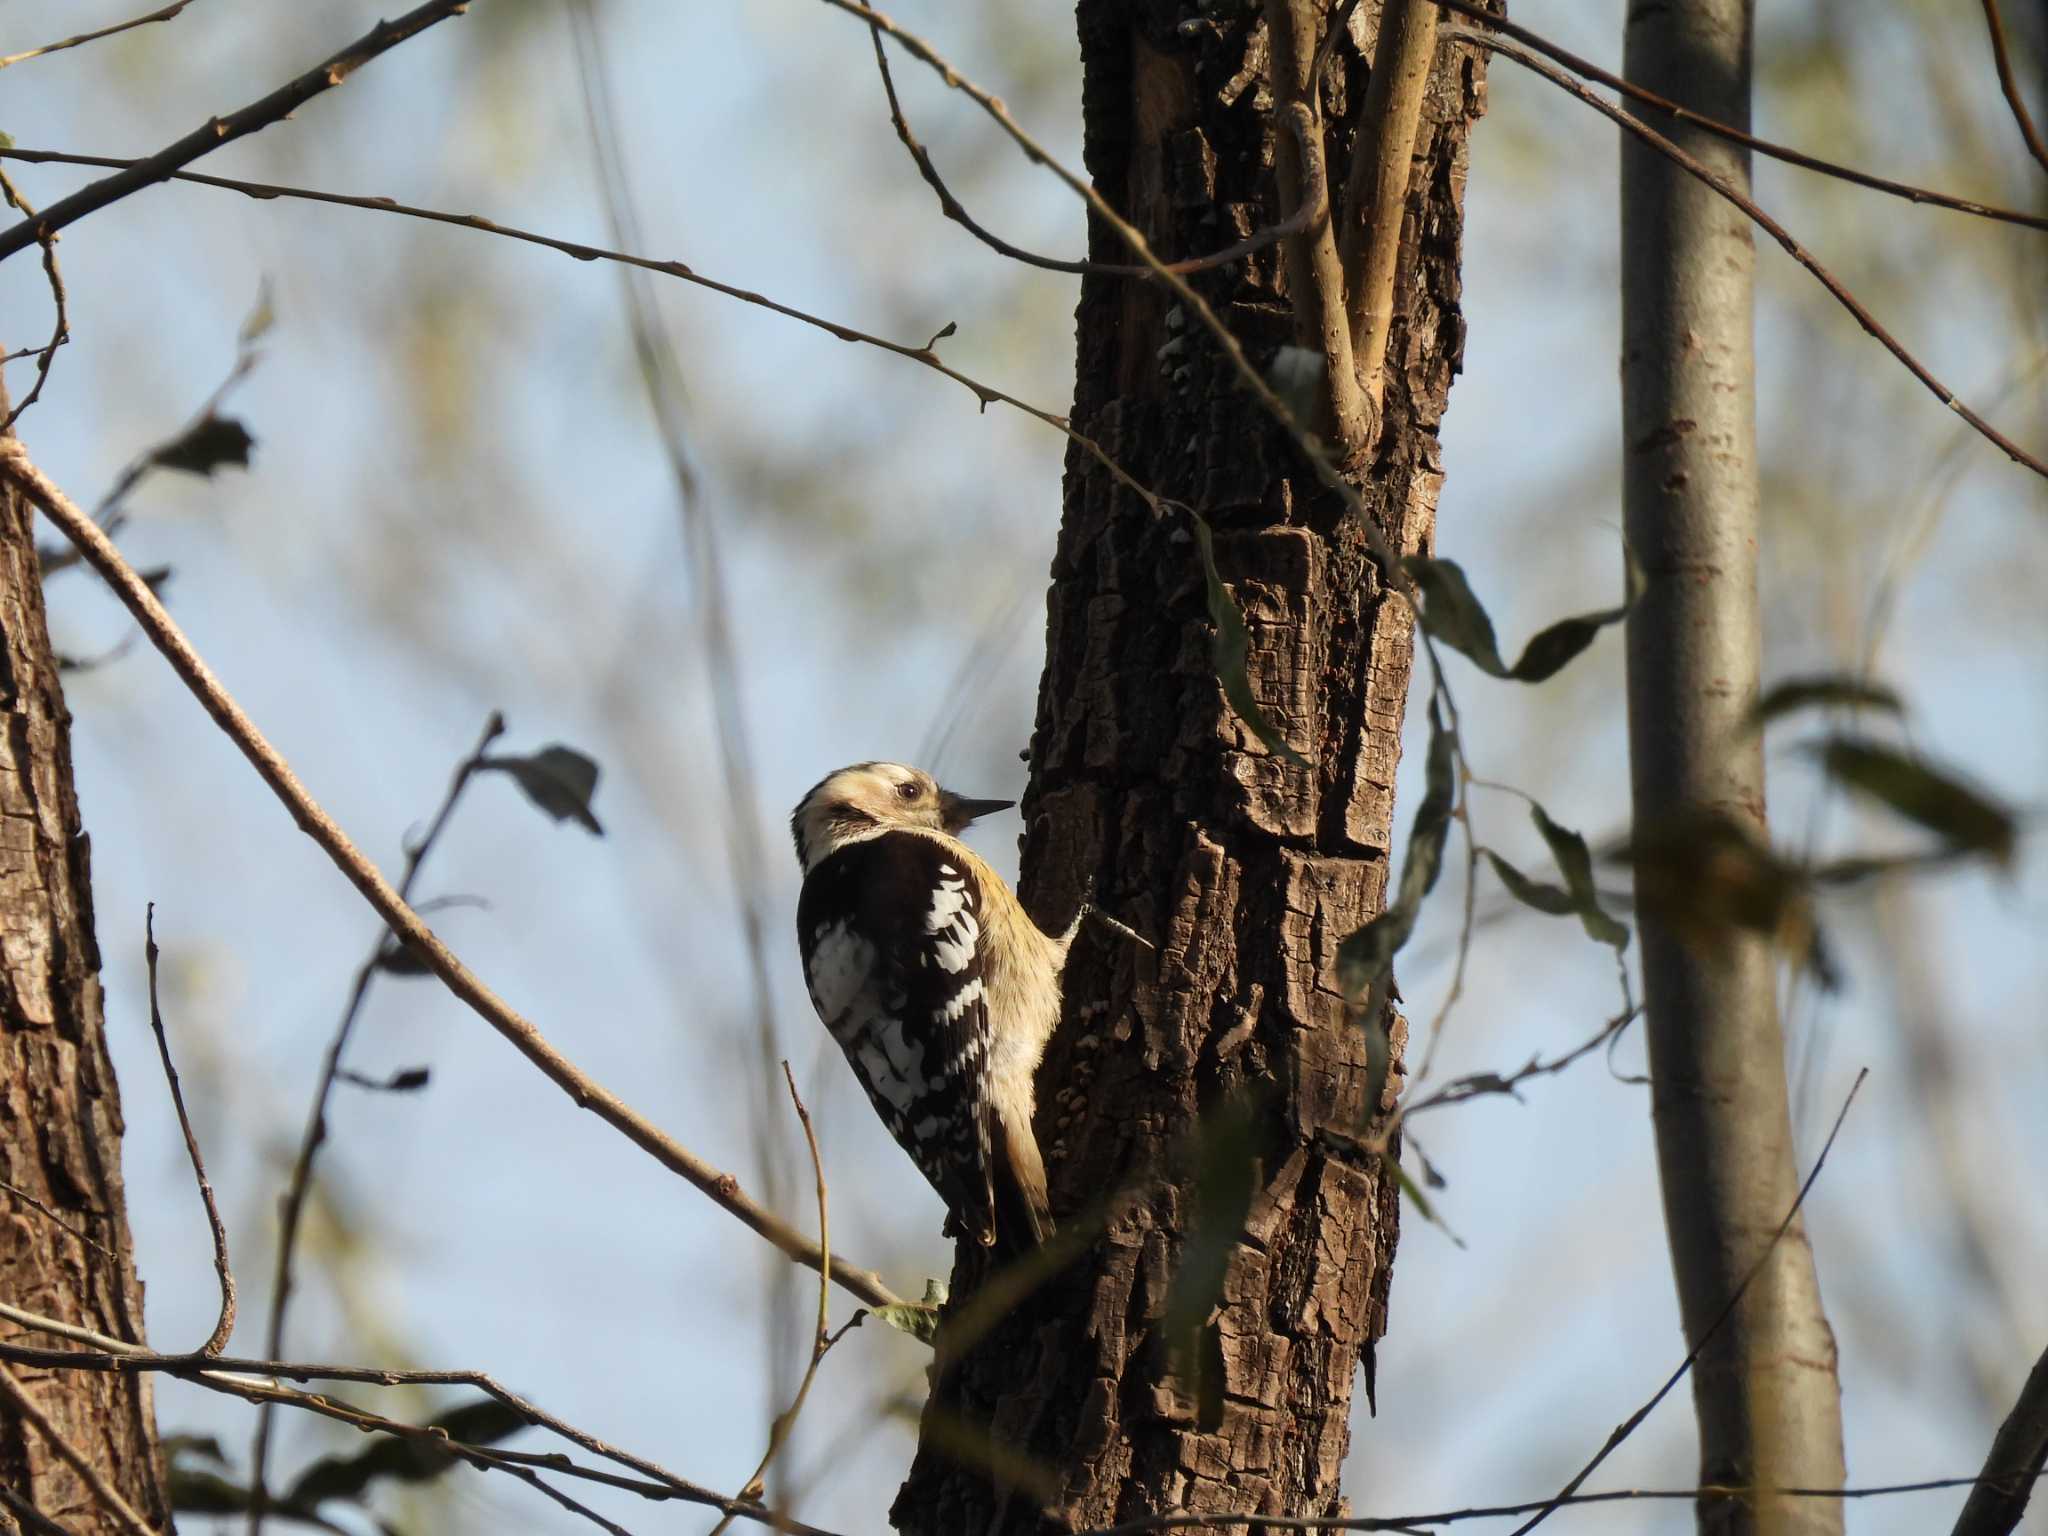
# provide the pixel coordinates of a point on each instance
(60, 1111)
(1245, 869)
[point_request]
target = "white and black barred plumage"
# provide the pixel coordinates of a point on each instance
(938, 987)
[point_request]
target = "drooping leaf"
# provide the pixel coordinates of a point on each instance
(1705, 875)
(1575, 862)
(1365, 957)
(402, 1458)
(1965, 818)
(208, 444)
(1826, 690)
(1226, 1175)
(1418, 1199)
(405, 1080)
(398, 958)
(558, 779)
(1544, 897)
(1452, 613)
(1233, 651)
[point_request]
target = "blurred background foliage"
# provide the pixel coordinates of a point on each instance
(459, 502)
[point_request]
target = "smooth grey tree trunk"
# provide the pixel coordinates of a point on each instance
(1765, 1389)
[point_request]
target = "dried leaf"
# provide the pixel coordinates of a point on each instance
(558, 779)
(402, 1459)
(918, 1319)
(208, 444)
(1576, 864)
(1233, 650)
(1418, 1199)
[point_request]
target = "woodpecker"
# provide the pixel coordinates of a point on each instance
(938, 986)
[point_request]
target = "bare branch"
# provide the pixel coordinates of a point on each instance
(225, 1327)
(987, 394)
(2019, 1452)
(167, 13)
(1629, 1425)
(164, 633)
(953, 209)
(1770, 226)
(61, 331)
(279, 104)
(822, 1337)
(1591, 71)
(1315, 277)
(292, 1209)
(1477, 1085)
(108, 1495)
(1376, 191)
(2011, 86)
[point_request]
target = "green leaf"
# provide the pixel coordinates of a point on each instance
(918, 1319)
(1233, 648)
(1829, 690)
(1226, 1176)
(1576, 864)
(1965, 818)
(208, 444)
(1704, 874)
(1540, 894)
(558, 779)
(6, 141)
(1452, 613)
(1366, 957)
(401, 1459)
(1417, 1198)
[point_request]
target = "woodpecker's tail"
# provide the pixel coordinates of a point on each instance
(1023, 1212)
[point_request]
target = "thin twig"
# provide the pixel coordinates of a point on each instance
(987, 394)
(955, 210)
(108, 1495)
(1770, 226)
(722, 1188)
(2019, 1451)
(1179, 1522)
(225, 1327)
(1376, 190)
(255, 1381)
(2011, 86)
(279, 104)
(31, 1201)
(165, 14)
(1628, 1426)
(1765, 147)
(1475, 1085)
(61, 330)
(822, 1339)
(292, 1208)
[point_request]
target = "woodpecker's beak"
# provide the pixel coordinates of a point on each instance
(959, 811)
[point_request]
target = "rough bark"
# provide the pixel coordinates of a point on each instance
(60, 1112)
(1247, 871)
(1765, 1389)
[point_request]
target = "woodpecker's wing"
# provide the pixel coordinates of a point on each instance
(894, 957)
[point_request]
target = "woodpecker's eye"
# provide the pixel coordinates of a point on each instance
(908, 789)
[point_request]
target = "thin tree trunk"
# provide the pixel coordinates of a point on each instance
(1246, 870)
(60, 1113)
(1766, 1391)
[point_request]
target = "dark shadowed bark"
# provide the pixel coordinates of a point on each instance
(1246, 870)
(1765, 1388)
(60, 1114)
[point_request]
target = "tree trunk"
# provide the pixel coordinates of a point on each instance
(1244, 869)
(1765, 1388)
(60, 1113)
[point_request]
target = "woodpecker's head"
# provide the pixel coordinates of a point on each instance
(871, 798)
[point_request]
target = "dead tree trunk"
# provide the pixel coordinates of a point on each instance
(60, 1113)
(1246, 870)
